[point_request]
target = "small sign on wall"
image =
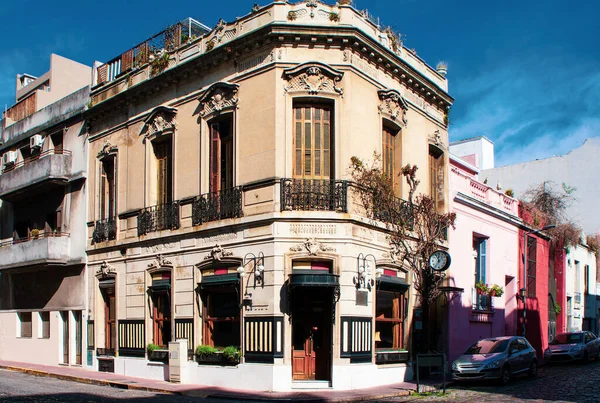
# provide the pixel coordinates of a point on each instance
(362, 298)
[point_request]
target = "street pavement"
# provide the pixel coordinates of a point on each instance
(564, 383)
(555, 383)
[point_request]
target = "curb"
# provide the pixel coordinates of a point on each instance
(200, 394)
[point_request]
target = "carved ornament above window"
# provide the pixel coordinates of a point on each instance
(435, 139)
(218, 97)
(160, 121)
(160, 264)
(314, 78)
(108, 150)
(393, 105)
(312, 246)
(106, 271)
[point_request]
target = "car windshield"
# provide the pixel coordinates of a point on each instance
(487, 347)
(568, 338)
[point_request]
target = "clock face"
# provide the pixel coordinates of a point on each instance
(439, 260)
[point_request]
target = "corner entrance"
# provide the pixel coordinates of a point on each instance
(312, 311)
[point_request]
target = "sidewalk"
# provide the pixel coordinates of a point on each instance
(127, 382)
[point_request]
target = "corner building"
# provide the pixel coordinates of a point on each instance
(223, 213)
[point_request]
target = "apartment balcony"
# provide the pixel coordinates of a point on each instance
(44, 248)
(217, 206)
(314, 195)
(397, 212)
(49, 168)
(105, 230)
(158, 218)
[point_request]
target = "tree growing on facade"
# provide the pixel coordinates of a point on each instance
(415, 229)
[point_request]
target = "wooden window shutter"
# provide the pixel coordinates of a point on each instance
(101, 71)
(127, 60)
(215, 157)
(103, 192)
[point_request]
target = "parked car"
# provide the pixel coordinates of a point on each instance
(498, 358)
(573, 346)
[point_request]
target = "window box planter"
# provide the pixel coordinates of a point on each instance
(391, 356)
(216, 359)
(159, 356)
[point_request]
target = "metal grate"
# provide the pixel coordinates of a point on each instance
(217, 206)
(158, 218)
(314, 195)
(105, 230)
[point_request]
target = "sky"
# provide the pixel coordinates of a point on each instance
(525, 74)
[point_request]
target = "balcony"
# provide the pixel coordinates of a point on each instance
(45, 248)
(105, 230)
(217, 206)
(158, 218)
(49, 167)
(314, 195)
(397, 212)
(481, 302)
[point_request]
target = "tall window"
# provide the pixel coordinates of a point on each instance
(531, 266)
(107, 188)
(480, 248)
(389, 151)
(436, 175)
(586, 279)
(110, 317)
(161, 310)
(221, 154)
(312, 141)
(78, 337)
(164, 170)
(222, 317)
(388, 320)
(44, 325)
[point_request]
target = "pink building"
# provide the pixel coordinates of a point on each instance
(484, 247)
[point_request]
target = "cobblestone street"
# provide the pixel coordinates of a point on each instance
(557, 383)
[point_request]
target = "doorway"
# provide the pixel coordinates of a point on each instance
(312, 312)
(65, 336)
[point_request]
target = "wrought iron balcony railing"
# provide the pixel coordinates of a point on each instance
(105, 230)
(398, 212)
(314, 194)
(158, 218)
(217, 206)
(481, 302)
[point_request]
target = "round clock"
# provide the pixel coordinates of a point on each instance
(439, 260)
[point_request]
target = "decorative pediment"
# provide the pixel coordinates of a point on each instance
(108, 150)
(314, 78)
(218, 97)
(218, 253)
(161, 120)
(312, 246)
(106, 270)
(159, 264)
(435, 139)
(393, 105)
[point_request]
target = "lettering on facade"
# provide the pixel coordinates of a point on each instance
(219, 238)
(313, 229)
(312, 246)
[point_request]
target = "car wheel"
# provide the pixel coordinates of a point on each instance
(533, 369)
(505, 377)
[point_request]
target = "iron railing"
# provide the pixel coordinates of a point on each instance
(33, 158)
(481, 302)
(105, 230)
(398, 212)
(314, 194)
(217, 206)
(158, 218)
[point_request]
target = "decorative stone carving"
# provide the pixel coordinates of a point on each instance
(106, 270)
(218, 97)
(435, 138)
(161, 120)
(221, 34)
(312, 246)
(313, 77)
(160, 263)
(218, 253)
(107, 150)
(393, 105)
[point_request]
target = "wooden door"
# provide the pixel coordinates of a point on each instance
(304, 358)
(65, 333)
(162, 319)
(78, 337)
(110, 322)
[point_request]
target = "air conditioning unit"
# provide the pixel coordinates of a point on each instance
(36, 141)
(9, 158)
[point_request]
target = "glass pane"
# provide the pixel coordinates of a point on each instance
(298, 113)
(223, 304)
(298, 170)
(385, 305)
(326, 139)
(384, 334)
(307, 135)
(307, 113)
(317, 114)
(307, 163)
(226, 334)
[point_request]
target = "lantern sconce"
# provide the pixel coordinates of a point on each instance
(522, 295)
(363, 278)
(258, 267)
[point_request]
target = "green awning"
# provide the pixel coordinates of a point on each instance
(389, 283)
(306, 278)
(160, 285)
(220, 280)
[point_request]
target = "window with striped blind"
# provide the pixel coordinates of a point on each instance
(312, 141)
(388, 152)
(221, 154)
(164, 171)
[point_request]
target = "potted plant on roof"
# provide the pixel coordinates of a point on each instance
(481, 288)
(156, 353)
(495, 291)
(35, 233)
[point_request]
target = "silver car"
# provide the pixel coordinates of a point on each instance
(573, 346)
(496, 358)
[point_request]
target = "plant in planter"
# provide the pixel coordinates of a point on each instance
(156, 353)
(481, 288)
(495, 291)
(509, 192)
(35, 233)
(231, 354)
(206, 353)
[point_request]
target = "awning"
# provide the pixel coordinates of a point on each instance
(107, 283)
(220, 280)
(312, 279)
(160, 286)
(389, 283)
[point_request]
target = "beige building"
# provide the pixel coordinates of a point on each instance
(43, 151)
(221, 210)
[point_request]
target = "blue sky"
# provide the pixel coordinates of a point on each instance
(526, 74)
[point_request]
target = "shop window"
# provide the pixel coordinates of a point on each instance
(389, 320)
(221, 154)
(44, 325)
(24, 324)
(312, 142)
(221, 317)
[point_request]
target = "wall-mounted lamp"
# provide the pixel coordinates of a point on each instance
(258, 267)
(379, 272)
(363, 278)
(522, 295)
